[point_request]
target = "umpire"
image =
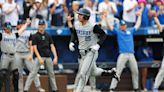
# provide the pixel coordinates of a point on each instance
(43, 46)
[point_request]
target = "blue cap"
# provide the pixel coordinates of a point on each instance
(122, 22)
(7, 25)
(42, 22)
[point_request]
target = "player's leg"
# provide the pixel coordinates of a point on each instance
(159, 77)
(49, 66)
(29, 65)
(4, 68)
(134, 71)
(15, 73)
(121, 62)
(77, 78)
(85, 70)
(92, 82)
(32, 75)
(20, 65)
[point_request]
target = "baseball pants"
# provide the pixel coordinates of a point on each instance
(8, 62)
(160, 76)
(123, 59)
(49, 66)
(21, 59)
(87, 67)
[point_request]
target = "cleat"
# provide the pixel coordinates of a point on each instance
(41, 89)
(114, 74)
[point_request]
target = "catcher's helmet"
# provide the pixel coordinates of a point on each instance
(84, 12)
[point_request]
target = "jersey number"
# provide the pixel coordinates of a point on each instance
(87, 38)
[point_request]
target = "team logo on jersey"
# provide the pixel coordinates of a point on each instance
(43, 37)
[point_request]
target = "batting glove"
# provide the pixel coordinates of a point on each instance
(95, 47)
(71, 46)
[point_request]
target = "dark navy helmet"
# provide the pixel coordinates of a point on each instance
(7, 25)
(42, 22)
(84, 12)
(122, 22)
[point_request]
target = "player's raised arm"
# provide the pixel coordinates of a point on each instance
(158, 24)
(138, 23)
(108, 24)
(21, 30)
(73, 34)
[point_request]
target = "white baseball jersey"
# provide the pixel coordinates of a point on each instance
(85, 35)
(8, 43)
(22, 44)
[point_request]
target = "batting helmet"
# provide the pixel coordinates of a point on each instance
(84, 12)
(7, 25)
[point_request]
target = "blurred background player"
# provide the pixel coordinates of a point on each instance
(126, 50)
(8, 48)
(24, 56)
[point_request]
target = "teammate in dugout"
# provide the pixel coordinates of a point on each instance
(24, 56)
(8, 48)
(89, 38)
(126, 50)
(43, 46)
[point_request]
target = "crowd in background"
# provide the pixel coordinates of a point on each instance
(56, 11)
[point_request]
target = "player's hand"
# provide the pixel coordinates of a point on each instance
(69, 18)
(95, 47)
(71, 46)
(29, 57)
(55, 61)
(28, 21)
(41, 61)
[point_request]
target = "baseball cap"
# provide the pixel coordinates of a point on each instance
(122, 22)
(41, 22)
(7, 25)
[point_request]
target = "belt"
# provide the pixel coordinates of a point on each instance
(22, 51)
(84, 52)
(11, 54)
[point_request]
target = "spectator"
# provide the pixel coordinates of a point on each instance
(129, 12)
(107, 8)
(57, 11)
(147, 13)
(73, 10)
(90, 5)
(1, 13)
(27, 5)
(38, 11)
(159, 9)
(11, 12)
(144, 54)
(119, 13)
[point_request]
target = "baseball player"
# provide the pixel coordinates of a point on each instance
(43, 46)
(89, 38)
(24, 55)
(8, 48)
(160, 75)
(126, 50)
